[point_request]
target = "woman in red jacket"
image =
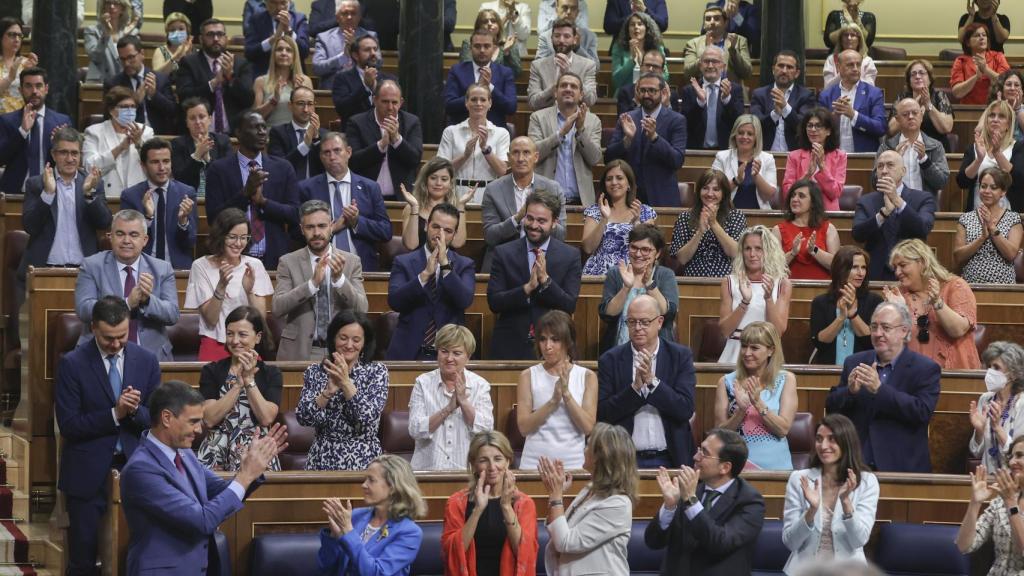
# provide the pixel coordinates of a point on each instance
(490, 528)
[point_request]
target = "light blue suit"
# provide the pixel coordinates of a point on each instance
(391, 550)
(100, 276)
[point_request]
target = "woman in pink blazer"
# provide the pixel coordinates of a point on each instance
(818, 158)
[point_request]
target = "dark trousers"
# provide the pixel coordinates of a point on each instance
(84, 517)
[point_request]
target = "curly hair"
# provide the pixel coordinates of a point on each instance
(652, 37)
(774, 258)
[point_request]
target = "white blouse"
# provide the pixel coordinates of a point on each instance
(727, 162)
(203, 279)
(447, 446)
(453, 144)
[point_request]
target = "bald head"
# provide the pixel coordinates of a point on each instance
(644, 320)
(849, 67)
(909, 116)
(523, 157)
(644, 305)
(890, 165)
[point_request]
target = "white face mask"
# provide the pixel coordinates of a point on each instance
(177, 37)
(125, 116)
(994, 380)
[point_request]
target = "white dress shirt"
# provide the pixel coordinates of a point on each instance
(779, 144)
(346, 199)
(447, 447)
(912, 163)
(845, 123)
(648, 429)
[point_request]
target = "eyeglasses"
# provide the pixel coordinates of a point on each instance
(641, 322)
(885, 328)
(918, 72)
(648, 90)
(703, 453)
(13, 35)
(642, 250)
(815, 126)
(215, 34)
(234, 238)
(71, 153)
(923, 335)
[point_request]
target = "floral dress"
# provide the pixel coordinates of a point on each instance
(615, 242)
(346, 430)
(11, 100)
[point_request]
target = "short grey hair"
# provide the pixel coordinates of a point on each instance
(66, 134)
(312, 206)
(1012, 355)
(333, 134)
(129, 215)
(903, 311)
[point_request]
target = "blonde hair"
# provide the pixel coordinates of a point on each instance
(452, 335)
(862, 46)
(177, 17)
(127, 13)
(774, 258)
(613, 457)
(1011, 117)
(406, 500)
(753, 121)
(273, 73)
(915, 249)
(491, 438)
(764, 334)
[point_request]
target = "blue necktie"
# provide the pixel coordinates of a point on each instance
(341, 239)
(35, 162)
(115, 386)
(711, 129)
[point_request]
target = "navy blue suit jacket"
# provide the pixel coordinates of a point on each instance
(261, 27)
(224, 190)
(374, 225)
(656, 181)
(351, 96)
(160, 110)
(697, 117)
(180, 243)
(517, 311)
(915, 221)
(675, 396)
(84, 401)
(503, 97)
(284, 144)
(893, 423)
(800, 100)
(14, 148)
(415, 309)
(871, 120)
(363, 132)
(322, 16)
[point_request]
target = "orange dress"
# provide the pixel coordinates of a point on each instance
(458, 561)
(804, 266)
(950, 353)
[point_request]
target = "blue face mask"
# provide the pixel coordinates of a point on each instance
(125, 116)
(177, 37)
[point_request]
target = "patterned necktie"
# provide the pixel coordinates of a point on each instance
(341, 238)
(220, 120)
(158, 225)
(129, 285)
(431, 330)
(323, 306)
(258, 228)
(711, 129)
(35, 143)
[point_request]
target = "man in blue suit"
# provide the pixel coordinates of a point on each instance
(652, 139)
(262, 186)
(890, 214)
(429, 287)
(144, 282)
(357, 208)
(481, 69)
(103, 387)
(25, 134)
(267, 27)
(890, 394)
(711, 104)
(529, 277)
(298, 141)
(648, 386)
(173, 504)
(858, 108)
(781, 106)
(352, 92)
(169, 206)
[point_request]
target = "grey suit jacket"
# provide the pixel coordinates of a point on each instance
(544, 80)
(102, 50)
(587, 46)
(498, 210)
(294, 303)
(100, 276)
(934, 170)
(586, 148)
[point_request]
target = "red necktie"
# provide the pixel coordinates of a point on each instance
(179, 464)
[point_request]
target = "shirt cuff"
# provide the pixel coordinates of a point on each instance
(899, 210)
(340, 282)
(879, 220)
(23, 132)
(302, 148)
(702, 105)
(693, 510)
(48, 198)
(853, 121)
(397, 142)
(265, 45)
(185, 225)
(311, 286)
(113, 412)
(237, 489)
(665, 517)
(727, 99)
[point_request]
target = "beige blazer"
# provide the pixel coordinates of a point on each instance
(294, 304)
(118, 173)
(590, 538)
(544, 80)
(586, 149)
(737, 59)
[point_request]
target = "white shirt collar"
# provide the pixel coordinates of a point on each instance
(656, 349)
(134, 264)
(347, 178)
(103, 355)
(296, 127)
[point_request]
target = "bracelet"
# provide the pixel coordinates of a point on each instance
(218, 296)
(744, 302)
(555, 504)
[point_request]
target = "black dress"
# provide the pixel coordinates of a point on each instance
(823, 312)
(489, 537)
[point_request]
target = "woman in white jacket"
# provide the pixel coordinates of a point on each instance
(830, 507)
(113, 145)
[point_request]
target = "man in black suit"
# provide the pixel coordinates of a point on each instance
(157, 107)
(387, 136)
(711, 104)
(216, 75)
(781, 106)
(353, 89)
(890, 214)
(529, 277)
(710, 517)
(649, 387)
(262, 186)
(298, 141)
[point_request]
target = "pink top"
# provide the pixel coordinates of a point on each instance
(830, 179)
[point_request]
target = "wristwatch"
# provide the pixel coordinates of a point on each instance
(764, 412)
(446, 267)
(651, 286)
(998, 232)
(939, 305)
(690, 501)
(486, 151)
(1013, 511)
(815, 250)
(653, 383)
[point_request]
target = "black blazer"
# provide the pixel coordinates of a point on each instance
(160, 110)
(403, 160)
(624, 99)
(268, 380)
(823, 312)
(39, 219)
(194, 76)
(350, 95)
(800, 100)
(675, 398)
(915, 221)
(1015, 195)
(321, 16)
(187, 169)
(516, 311)
(717, 542)
(697, 117)
(382, 16)
(284, 144)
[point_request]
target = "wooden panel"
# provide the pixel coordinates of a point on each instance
(290, 502)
